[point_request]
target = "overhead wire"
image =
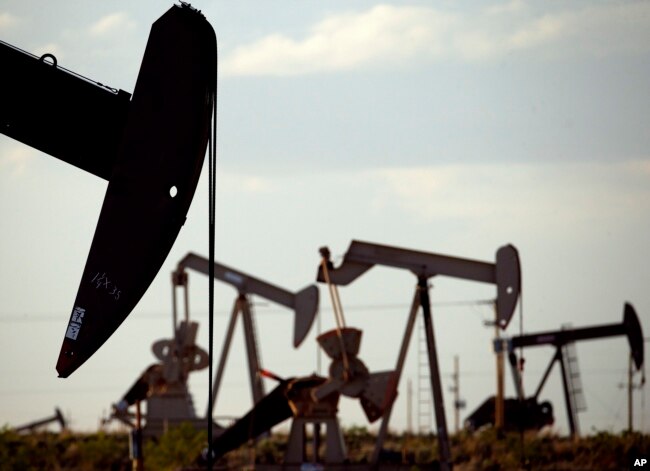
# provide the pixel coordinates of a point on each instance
(266, 307)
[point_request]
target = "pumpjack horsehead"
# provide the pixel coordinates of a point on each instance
(150, 146)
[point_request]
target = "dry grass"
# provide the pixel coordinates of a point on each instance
(484, 451)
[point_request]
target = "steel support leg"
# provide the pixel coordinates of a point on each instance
(438, 403)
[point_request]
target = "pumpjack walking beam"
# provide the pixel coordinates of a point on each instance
(304, 304)
(150, 146)
(505, 273)
(630, 327)
(60, 113)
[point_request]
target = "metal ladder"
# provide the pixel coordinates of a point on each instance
(573, 376)
(425, 409)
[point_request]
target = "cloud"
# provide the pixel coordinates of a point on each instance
(344, 41)
(642, 166)
(388, 35)
(14, 159)
(7, 20)
(115, 23)
(50, 48)
(245, 184)
(556, 194)
(508, 7)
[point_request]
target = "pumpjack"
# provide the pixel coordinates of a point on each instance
(313, 399)
(528, 413)
(303, 303)
(149, 145)
(163, 385)
(32, 426)
(362, 256)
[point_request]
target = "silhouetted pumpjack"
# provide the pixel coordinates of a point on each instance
(149, 146)
(57, 417)
(504, 273)
(304, 304)
(534, 414)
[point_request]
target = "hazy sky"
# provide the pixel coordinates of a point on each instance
(448, 127)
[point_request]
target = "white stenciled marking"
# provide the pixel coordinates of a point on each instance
(73, 330)
(100, 280)
(234, 277)
(75, 323)
(78, 315)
